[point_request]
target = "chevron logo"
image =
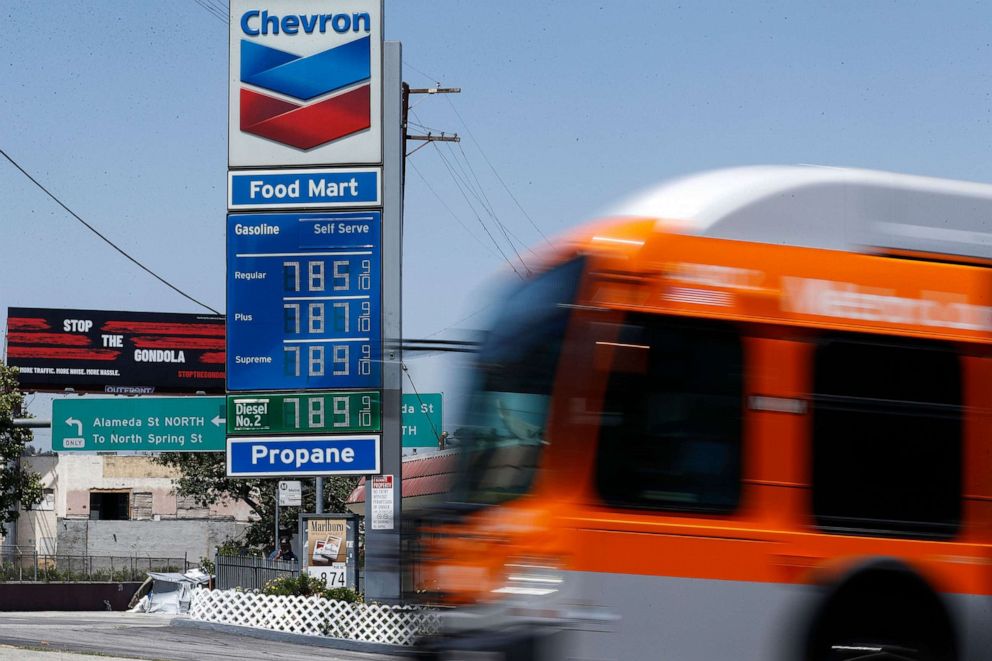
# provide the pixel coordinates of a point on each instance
(306, 125)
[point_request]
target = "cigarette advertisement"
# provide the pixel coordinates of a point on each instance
(326, 541)
(329, 548)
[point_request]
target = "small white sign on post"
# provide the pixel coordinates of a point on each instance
(290, 493)
(381, 509)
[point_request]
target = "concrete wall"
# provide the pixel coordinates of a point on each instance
(74, 476)
(161, 525)
(175, 538)
(37, 527)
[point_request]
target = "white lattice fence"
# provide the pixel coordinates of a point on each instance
(314, 616)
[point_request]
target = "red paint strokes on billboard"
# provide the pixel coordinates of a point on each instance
(26, 324)
(198, 343)
(162, 328)
(61, 353)
(213, 357)
(67, 339)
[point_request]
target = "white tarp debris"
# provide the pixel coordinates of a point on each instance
(170, 592)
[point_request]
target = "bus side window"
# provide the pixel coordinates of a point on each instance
(887, 437)
(670, 435)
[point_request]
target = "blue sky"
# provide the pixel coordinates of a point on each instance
(121, 109)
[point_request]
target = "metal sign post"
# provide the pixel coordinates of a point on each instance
(382, 545)
(276, 547)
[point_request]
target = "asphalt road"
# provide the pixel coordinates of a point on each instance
(142, 636)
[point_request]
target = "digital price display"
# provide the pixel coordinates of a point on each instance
(303, 301)
(302, 413)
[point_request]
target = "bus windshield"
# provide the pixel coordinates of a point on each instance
(507, 413)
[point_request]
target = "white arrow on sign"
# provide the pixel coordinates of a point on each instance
(217, 421)
(78, 423)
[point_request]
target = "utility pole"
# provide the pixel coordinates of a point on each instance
(430, 137)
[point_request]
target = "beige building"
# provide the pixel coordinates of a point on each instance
(121, 505)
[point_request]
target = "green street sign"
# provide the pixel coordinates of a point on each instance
(422, 420)
(146, 424)
(303, 413)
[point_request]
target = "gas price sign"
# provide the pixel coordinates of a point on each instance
(303, 301)
(312, 412)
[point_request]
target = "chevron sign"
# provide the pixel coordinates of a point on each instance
(307, 76)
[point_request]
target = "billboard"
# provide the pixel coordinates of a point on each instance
(305, 83)
(116, 352)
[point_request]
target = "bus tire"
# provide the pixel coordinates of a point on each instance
(883, 605)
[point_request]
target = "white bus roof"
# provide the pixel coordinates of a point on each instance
(826, 207)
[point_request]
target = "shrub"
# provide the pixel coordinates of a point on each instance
(342, 594)
(233, 548)
(305, 585)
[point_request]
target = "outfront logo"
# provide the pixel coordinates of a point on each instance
(309, 124)
(306, 79)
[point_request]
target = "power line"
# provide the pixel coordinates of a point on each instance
(467, 175)
(432, 347)
(224, 7)
(488, 205)
(422, 73)
(448, 209)
(212, 10)
(483, 200)
(429, 129)
(465, 318)
(493, 168)
(108, 241)
(458, 185)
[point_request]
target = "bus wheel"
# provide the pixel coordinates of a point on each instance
(884, 612)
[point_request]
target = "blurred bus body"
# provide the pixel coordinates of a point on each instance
(748, 417)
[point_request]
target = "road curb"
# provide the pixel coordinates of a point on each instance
(299, 638)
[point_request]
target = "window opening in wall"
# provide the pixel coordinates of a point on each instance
(109, 505)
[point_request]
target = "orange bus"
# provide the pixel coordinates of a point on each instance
(748, 417)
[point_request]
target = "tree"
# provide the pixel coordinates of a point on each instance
(17, 486)
(203, 477)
